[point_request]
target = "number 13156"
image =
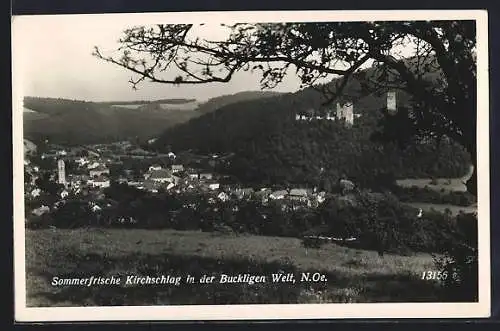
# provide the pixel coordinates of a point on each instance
(434, 275)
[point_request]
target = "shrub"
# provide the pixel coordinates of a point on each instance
(38, 222)
(460, 261)
(381, 222)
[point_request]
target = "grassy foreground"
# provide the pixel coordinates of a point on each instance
(352, 275)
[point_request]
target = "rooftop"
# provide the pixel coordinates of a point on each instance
(99, 168)
(298, 192)
(278, 193)
(161, 173)
(101, 179)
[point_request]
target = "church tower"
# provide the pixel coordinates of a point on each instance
(61, 179)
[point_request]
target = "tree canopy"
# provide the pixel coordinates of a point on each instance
(433, 61)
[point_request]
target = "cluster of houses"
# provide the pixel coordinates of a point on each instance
(92, 174)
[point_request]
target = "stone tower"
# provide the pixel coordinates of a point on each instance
(61, 179)
(391, 103)
(346, 112)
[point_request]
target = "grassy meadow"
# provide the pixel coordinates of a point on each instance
(353, 275)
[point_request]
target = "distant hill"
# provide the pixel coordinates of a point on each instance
(142, 102)
(224, 100)
(77, 122)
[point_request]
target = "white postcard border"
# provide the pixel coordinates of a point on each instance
(262, 312)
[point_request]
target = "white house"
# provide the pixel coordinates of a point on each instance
(193, 176)
(321, 197)
(206, 175)
(96, 208)
(278, 195)
(100, 181)
(298, 194)
(81, 161)
(214, 186)
(36, 192)
(93, 165)
(99, 171)
(40, 210)
(64, 194)
(223, 196)
(161, 176)
(170, 186)
(154, 167)
(177, 168)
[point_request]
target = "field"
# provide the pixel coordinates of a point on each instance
(440, 184)
(455, 210)
(447, 184)
(353, 275)
(452, 184)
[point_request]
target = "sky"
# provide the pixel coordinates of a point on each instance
(54, 58)
(52, 54)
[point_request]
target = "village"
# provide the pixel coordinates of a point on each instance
(88, 170)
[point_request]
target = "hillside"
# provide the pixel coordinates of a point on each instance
(77, 122)
(224, 100)
(142, 102)
(278, 149)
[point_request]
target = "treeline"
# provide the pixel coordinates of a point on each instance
(270, 146)
(141, 102)
(379, 221)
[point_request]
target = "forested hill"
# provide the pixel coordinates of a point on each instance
(224, 100)
(142, 102)
(75, 122)
(272, 147)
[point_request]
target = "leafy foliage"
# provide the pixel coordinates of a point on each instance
(460, 261)
(379, 221)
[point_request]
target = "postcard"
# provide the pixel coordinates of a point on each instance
(251, 165)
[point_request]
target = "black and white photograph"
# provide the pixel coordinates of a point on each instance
(251, 165)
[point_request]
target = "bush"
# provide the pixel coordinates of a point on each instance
(460, 261)
(381, 222)
(38, 222)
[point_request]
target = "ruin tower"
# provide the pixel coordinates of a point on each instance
(346, 112)
(61, 172)
(391, 103)
(349, 113)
